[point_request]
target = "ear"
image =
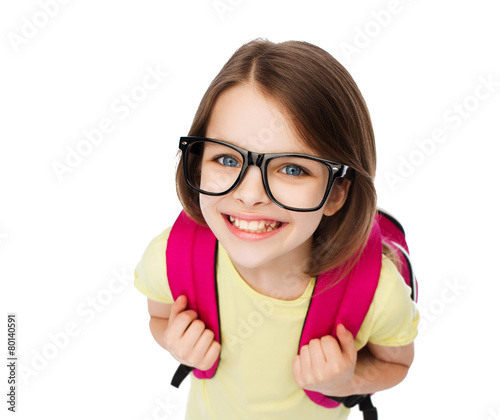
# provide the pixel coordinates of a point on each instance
(337, 197)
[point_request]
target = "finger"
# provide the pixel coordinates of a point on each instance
(195, 343)
(307, 374)
(305, 361)
(178, 306)
(316, 354)
(346, 341)
(192, 334)
(331, 348)
(177, 326)
(297, 371)
(211, 355)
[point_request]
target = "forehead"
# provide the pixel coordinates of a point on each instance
(244, 117)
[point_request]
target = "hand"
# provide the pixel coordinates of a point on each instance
(326, 365)
(187, 339)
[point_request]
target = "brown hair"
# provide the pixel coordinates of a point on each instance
(328, 114)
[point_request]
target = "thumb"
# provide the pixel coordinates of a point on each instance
(178, 306)
(346, 341)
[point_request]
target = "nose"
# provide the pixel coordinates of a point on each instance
(251, 191)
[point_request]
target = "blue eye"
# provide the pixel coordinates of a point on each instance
(229, 161)
(292, 170)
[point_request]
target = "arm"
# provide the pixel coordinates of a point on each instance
(381, 367)
(160, 313)
(184, 336)
(334, 367)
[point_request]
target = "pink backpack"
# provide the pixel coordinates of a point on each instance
(191, 257)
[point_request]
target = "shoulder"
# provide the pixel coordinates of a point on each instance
(393, 317)
(150, 272)
(391, 284)
(157, 245)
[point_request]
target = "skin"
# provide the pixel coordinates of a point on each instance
(238, 117)
(327, 365)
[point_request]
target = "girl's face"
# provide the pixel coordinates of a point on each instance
(256, 233)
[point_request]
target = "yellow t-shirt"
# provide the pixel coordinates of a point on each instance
(260, 337)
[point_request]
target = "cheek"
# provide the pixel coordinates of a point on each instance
(208, 206)
(308, 222)
(205, 205)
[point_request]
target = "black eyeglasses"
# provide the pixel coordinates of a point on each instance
(292, 181)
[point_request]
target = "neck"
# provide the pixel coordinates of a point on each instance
(286, 281)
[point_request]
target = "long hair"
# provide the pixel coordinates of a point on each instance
(328, 113)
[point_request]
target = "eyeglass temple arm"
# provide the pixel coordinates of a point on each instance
(347, 173)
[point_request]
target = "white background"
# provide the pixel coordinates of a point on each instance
(63, 239)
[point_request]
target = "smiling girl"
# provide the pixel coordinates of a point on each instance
(285, 207)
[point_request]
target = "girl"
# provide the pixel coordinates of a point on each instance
(279, 223)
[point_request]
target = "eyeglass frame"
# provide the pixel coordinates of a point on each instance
(261, 160)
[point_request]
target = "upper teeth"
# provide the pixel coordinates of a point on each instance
(253, 225)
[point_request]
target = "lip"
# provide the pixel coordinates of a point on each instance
(249, 236)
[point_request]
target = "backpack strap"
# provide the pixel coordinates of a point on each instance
(347, 302)
(364, 403)
(394, 235)
(191, 255)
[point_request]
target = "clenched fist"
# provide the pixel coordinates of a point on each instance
(187, 338)
(326, 365)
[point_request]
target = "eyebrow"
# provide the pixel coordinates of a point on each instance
(264, 153)
(228, 142)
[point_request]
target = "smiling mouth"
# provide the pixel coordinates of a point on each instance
(254, 226)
